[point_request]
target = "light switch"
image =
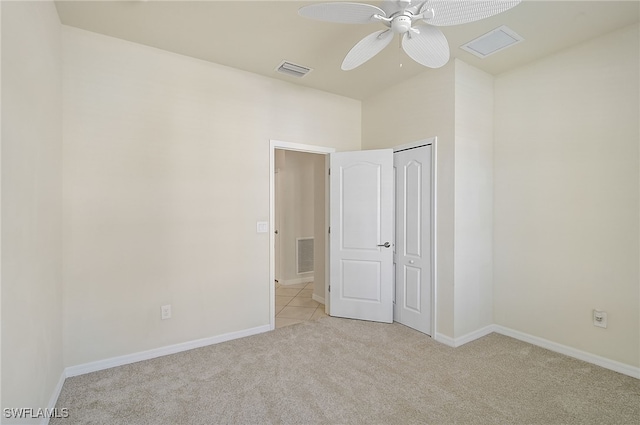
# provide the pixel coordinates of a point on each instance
(262, 227)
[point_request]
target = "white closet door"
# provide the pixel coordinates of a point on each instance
(413, 238)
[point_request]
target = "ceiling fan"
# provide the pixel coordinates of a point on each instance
(413, 20)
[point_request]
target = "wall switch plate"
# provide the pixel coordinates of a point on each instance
(165, 312)
(600, 318)
(262, 226)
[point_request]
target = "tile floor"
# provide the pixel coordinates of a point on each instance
(294, 304)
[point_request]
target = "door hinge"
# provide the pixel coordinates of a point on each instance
(329, 171)
(329, 288)
(329, 229)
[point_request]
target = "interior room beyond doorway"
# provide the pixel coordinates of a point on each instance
(299, 240)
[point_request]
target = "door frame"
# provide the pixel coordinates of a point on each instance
(278, 144)
(433, 141)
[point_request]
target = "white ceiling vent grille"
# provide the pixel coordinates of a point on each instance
(492, 42)
(293, 69)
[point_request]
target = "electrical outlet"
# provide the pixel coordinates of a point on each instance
(165, 312)
(600, 318)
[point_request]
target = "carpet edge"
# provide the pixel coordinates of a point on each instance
(160, 351)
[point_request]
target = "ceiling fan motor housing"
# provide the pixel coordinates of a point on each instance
(401, 24)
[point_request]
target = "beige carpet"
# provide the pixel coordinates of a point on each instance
(336, 371)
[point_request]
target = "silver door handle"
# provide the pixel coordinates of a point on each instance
(386, 245)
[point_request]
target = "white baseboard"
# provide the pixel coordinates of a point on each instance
(619, 367)
(54, 396)
(443, 339)
(161, 351)
(317, 298)
(297, 280)
(464, 339)
(472, 336)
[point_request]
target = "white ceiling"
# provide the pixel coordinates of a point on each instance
(257, 35)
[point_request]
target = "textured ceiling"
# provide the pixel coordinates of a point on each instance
(257, 35)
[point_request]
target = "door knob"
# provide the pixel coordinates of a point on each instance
(386, 245)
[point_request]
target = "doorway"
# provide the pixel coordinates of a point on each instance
(298, 237)
(426, 300)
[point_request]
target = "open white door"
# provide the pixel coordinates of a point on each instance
(361, 223)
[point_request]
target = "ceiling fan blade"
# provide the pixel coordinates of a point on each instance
(367, 48)
(428, 48)
(343, 13)
(456, 12)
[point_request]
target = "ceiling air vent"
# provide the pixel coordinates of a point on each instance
(293, 69)
(492, 42)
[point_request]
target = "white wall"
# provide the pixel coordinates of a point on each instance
(31, 204)
(166, 173)
(566, 190)
(473, 199)
(419, 108)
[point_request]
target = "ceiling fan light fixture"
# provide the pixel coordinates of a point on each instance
(401, 24)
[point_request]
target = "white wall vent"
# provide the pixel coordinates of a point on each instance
(492, 42)
(293, 69)
(304, 255)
